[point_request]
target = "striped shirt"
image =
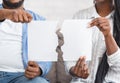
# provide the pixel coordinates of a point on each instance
(99, 47)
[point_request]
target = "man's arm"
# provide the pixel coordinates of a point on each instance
(15, 15)
(43, 67)
(32, 70)
(37, 69)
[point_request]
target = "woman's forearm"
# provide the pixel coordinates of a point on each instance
(111, 44)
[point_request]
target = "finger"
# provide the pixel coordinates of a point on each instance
(93, 22)
(79, 61)
(81, 70)
(77, 66)
(20, 18)
(15, 18)
(12, 15)
(102, 24)
(29, 17)
(104, 27)
(25, 18)
(85, 67)
(32, 63)
(98, 21)
(33, 69)
(29, 77)
(85, 73)
(83, 62)
(85, 76)
(30, 73)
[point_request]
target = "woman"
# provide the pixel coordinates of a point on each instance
(105, 47)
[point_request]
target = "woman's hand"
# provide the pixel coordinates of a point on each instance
(80, 69)
(103, 25)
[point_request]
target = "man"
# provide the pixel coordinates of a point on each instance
(104, 47)
(14, 64)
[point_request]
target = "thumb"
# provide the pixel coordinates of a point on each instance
(32, 63)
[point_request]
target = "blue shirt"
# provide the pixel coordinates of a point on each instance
(45, 66)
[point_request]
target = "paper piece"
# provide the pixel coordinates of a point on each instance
(42, 41)
(77, 39)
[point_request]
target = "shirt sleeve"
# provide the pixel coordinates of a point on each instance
(114, 58)
(68, 65)
(45, 67)
(113, 74)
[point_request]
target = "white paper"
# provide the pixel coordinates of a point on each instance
(42, 41)
(77, 40)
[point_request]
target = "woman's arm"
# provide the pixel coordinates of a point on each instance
(104, 26)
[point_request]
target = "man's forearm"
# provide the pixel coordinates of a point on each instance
(111, 44)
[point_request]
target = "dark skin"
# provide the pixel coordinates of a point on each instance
(20, 15)
(33, 70)
(15, 15)
(104, 26)
(80, 69)
(103, 7)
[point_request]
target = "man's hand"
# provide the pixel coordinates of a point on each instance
(80, 69)
(33, 70)
(17, 15)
